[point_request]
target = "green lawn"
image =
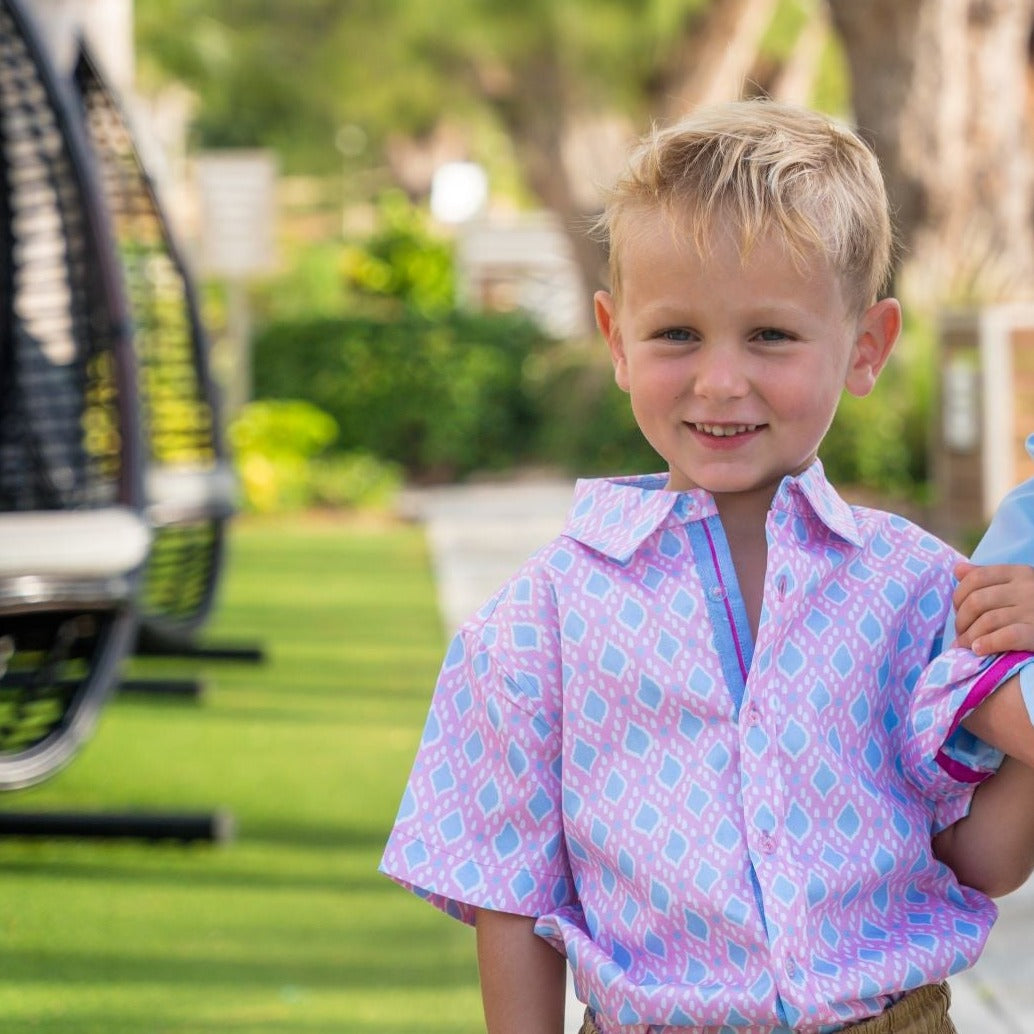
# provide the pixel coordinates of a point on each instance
(288, 928)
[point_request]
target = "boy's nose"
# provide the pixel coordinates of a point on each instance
(721, 373)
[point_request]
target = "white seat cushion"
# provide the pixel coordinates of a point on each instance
(72, 544)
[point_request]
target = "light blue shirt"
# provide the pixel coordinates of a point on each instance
(1009, 539)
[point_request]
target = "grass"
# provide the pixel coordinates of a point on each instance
(288, 928)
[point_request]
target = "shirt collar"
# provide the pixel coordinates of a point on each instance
(615, 516)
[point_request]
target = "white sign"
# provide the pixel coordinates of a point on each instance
(524, 263)
(961, 407)
(237, 192)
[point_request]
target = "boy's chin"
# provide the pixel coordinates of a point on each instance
(746, 481)
(727, 487)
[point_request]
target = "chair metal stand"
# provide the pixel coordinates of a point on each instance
(214, 827)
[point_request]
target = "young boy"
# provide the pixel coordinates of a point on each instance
(698, 744)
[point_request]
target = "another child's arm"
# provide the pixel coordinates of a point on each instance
(994, 607)
(523, 978)
(1003, 722)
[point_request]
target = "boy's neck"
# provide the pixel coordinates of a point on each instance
(744, 516)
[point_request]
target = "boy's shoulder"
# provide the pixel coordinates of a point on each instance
(878, 519)
(890, 534)
(608, 520)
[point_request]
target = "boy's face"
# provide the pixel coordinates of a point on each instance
(735, 367)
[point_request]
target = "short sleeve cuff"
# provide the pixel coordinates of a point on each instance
(963, 756)
(968, 758)
(459, 886)
(939, 761)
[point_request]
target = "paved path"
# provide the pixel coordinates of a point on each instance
(479, 534)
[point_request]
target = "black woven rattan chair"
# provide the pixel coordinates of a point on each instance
(72, 535)
(189, 483)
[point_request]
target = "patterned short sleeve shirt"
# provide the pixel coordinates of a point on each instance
(716, 832)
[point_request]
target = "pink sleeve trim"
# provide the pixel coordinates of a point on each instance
(960, 772)
(987, 682)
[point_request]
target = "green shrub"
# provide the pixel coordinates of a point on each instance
(402, 259)
(353, 480)
(310, 283)
(440, 396)
(881, 441)
(279, 447)
(587, 426)
(401, 264)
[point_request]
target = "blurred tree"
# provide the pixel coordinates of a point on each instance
(263, 72)
(568, 82)
(942, 88)
(557, 73)
(556, 88)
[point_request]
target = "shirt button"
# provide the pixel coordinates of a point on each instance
(790, 966)
(753, 716)
(767, 843)
(716, 592)
(781, 586)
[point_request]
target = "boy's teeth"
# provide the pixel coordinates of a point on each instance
(725, 430)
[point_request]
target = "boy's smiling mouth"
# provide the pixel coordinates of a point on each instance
(724, 430)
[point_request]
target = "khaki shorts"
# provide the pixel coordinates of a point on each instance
(924, 1011)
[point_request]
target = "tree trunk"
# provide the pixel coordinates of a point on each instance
(940, 87)
(709, 61)
(533, 105)
(795, 80)
(713, 58)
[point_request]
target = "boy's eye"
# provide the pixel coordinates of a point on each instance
(771, 334)
(676, 334)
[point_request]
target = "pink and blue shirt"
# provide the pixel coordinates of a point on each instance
(717, 832)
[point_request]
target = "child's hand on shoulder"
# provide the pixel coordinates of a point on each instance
(994, 607)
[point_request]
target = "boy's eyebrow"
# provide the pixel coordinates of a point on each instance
(761, 311)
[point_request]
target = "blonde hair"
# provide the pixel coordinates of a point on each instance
(766, 167)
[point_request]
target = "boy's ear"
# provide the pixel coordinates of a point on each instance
(607, 321)
(876, 335)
